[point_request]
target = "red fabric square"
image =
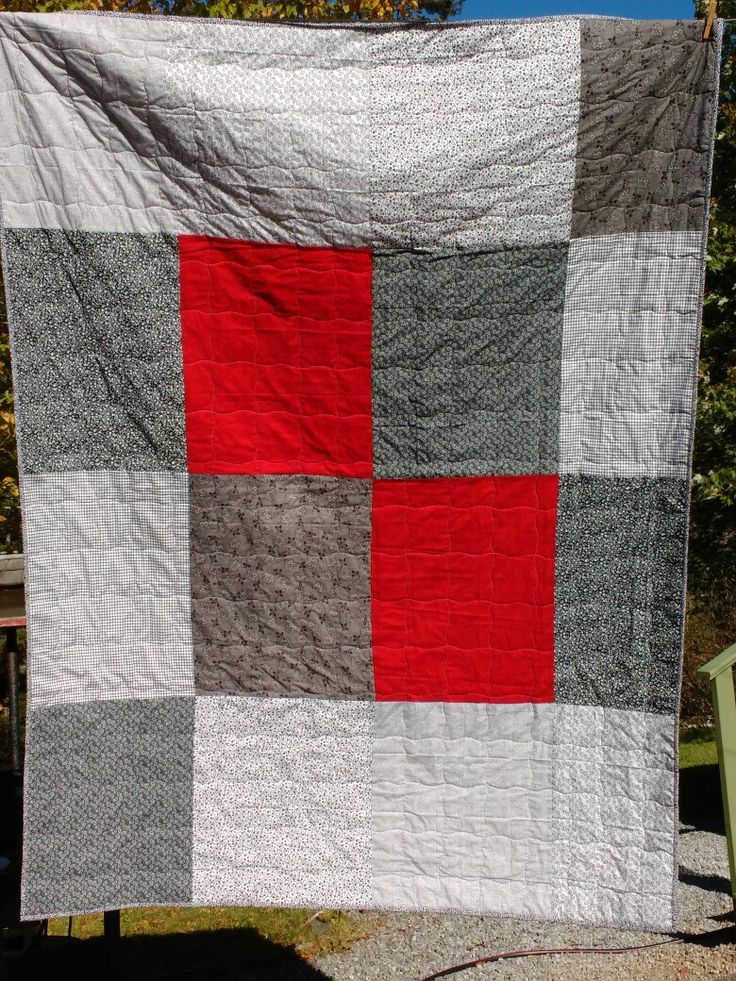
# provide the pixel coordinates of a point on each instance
(462, 583)
(277, 358)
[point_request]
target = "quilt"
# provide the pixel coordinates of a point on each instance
(355, 371)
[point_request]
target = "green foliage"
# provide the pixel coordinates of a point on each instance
(312, 10)
(10, 530)
(713, 526)
(698, 748)
(711, 625)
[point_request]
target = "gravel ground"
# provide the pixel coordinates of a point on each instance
(410, 946)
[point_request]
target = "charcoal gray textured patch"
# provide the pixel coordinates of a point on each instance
(97, 350)
(466, 362)
(281, 585)
(645, 127)
(618, 591)
(108, 806)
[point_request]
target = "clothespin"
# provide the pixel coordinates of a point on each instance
(709, 19)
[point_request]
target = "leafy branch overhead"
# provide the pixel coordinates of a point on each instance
(312, 10)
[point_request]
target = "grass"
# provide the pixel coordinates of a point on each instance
(177, 943)
(312, 932)
(698, 748)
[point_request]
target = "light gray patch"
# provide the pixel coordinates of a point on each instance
(277, 132)
(614, 817)
(281, 585)
(269, 148)
(97, 350)
(466, 362)
(462, 799)
(647, 94)
(560, 812)
(108, 807)
(448, 169)
(630, 354)
(107, 583)
(619, 583)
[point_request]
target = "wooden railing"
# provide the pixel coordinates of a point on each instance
(719, 672)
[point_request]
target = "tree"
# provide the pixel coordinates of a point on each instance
(10, 530)
(713, 530)
(711, 624)
(313, 10)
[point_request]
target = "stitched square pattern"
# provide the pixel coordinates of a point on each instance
(282, 802)
(552, 811)
(108, 816)
(466, 362)
(462, 798)
(281, 585)
(96, 350)
(462, 582)
(630, 354)
(614, 816)
(277, 343)
(107, 586)
(472, 138)
(618, 615)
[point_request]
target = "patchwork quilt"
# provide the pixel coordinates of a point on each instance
(355, 372)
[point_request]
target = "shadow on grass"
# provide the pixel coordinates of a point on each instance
(218, 955)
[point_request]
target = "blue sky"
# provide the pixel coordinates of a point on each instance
(671, 9)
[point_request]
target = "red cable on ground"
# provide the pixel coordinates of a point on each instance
(446, 972)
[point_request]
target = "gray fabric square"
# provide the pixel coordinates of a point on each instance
(108, 807)
(466, 362)
(556, 811)
(96, 350)
(647, 93)
(619, 584)
(472, 133)
(614, 817)
(107, 586)
(281, 585)
(630, 342)
(462, 806)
